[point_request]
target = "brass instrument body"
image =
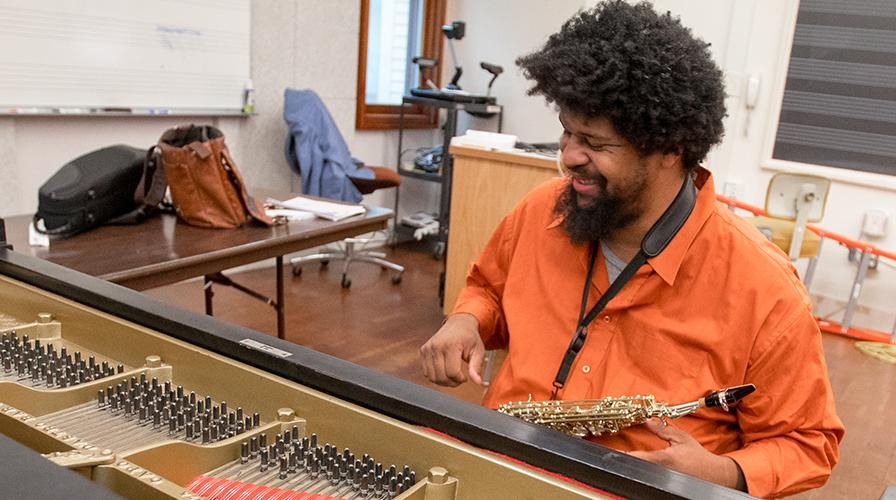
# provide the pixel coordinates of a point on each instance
(593, 417)
(341, 403)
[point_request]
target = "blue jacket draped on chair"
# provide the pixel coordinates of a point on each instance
(316, 151)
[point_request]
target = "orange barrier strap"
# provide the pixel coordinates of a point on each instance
(843, 240)
(833, 327)
(734, 202)
(883, 253)
(824, 233)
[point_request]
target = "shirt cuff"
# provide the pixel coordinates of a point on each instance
(482, 313)
(759, 478)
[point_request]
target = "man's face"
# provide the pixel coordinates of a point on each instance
(608, 178)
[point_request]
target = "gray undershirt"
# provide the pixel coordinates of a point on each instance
(615, 265)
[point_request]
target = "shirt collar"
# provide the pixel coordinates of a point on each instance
(668, 262)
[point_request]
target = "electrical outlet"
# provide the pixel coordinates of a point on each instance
(875, 223)
(733, 188)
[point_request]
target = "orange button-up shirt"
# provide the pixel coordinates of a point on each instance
(720, 306)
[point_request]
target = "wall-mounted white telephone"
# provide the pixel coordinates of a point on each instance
(751, 98)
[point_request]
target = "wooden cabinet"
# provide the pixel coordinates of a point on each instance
(485, 186)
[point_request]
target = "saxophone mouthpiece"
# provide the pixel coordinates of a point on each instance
(729, 396)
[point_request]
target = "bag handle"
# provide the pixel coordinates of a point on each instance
(153, 183)
(151, 189)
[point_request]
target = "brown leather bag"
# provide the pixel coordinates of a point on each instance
(207, 189)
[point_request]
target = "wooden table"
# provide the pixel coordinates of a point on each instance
(161, 250)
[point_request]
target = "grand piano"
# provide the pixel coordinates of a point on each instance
(145, 400)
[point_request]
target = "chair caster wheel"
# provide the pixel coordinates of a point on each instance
(324, 263)
(296, 271)
(396, 279)
(346, 282)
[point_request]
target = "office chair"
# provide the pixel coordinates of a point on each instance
(317, 152)
(791, 202)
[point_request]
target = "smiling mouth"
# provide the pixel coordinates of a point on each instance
(584, 180)
(590, 182)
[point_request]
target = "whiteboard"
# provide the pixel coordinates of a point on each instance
(150, 56)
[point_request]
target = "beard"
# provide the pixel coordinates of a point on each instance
(604, 215)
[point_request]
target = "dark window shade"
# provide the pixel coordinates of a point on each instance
(839, 106)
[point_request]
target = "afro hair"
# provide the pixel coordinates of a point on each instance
(646, 73)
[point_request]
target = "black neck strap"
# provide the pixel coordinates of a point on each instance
(656, 239)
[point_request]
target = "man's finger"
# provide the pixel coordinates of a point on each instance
(665, 431)
(440, 365)
(426, 359)
(453, 366)
(475, 365)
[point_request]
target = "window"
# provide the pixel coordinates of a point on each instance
(839, 105)
(392, 33)
(393, 39)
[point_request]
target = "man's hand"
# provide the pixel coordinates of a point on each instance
(685, 454)
(455, 344)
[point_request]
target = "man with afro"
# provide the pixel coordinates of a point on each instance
(705, 302)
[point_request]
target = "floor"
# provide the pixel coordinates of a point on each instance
(381, 325)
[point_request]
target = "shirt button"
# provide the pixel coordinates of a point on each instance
(606, 319)
(586, 369)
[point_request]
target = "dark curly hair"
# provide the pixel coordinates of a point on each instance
(646, 73)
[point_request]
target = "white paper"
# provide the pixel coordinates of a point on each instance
(487, 140)
(323, 209)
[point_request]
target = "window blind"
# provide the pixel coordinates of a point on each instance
(839, 105)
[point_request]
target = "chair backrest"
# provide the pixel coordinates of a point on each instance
(800, 198)
(791, 195)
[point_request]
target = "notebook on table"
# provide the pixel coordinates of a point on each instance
(329, 210)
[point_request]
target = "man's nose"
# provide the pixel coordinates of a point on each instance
(573, 155)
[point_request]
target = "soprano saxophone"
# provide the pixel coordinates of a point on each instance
(611, 414)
